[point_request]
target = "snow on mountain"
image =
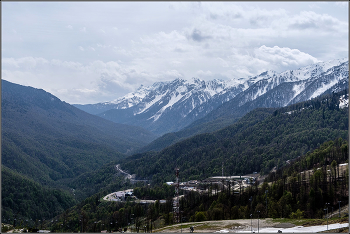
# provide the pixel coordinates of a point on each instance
(314, 79)
(314, 69)
(344, 101)
(172, 105)
(168, 93)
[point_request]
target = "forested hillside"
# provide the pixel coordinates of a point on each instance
(25, 199)
(286, 193)
(75, 164)
(255, 143)
(46, 143)
(48, 140)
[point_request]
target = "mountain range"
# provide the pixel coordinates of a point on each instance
(174, 105)
(54, 148)
(262, 139)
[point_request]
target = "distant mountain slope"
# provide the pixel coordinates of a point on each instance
(168, 106)
(48, 139)
(277, 91)
(284, 89)
(257, 142)
(172, 106)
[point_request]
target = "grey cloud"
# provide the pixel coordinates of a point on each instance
(216, 16)
(304, 25)
(110, 85)
(236, 15)
(311, 20)
(179, 50)
(197, 36)
(213, 16)
(258, 20)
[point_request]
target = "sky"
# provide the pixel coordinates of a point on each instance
(91, 52)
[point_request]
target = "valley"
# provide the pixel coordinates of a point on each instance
(274, 146)
(174, 116)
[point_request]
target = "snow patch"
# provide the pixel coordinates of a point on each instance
(297, 89)
(324, 87)
(151, 103)
(344, 101)
(174, 99)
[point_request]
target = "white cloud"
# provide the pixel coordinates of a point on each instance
(342, 3)
(162, 41)
(309, 20)
(80, 83)
(86, 90)
(283, 58)
(202, 73)
(25, 62)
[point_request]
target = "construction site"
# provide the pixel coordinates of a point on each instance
(236, 184)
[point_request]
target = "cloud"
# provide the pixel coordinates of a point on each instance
(75, 82)
(202, 73)
(342, 4)
(25, 62)
(307, 20)
(263, 18)
(284, 57)
(147, 43)
(196, 35)
(175, 63)
(103, 46)
(243, 63)
(222, 62)
(89, 91)
(222, 11)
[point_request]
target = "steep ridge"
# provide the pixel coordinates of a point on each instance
(47, 139)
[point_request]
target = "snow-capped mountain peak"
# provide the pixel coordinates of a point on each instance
(171, 105)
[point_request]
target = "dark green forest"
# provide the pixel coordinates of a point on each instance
(259, 141)
(288, 196)
(54, 180)
(49, 140)
(26, 200)
(46, 143)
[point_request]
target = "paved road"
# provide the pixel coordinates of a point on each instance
(127, 175)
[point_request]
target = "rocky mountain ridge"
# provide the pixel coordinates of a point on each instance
(173, 105)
